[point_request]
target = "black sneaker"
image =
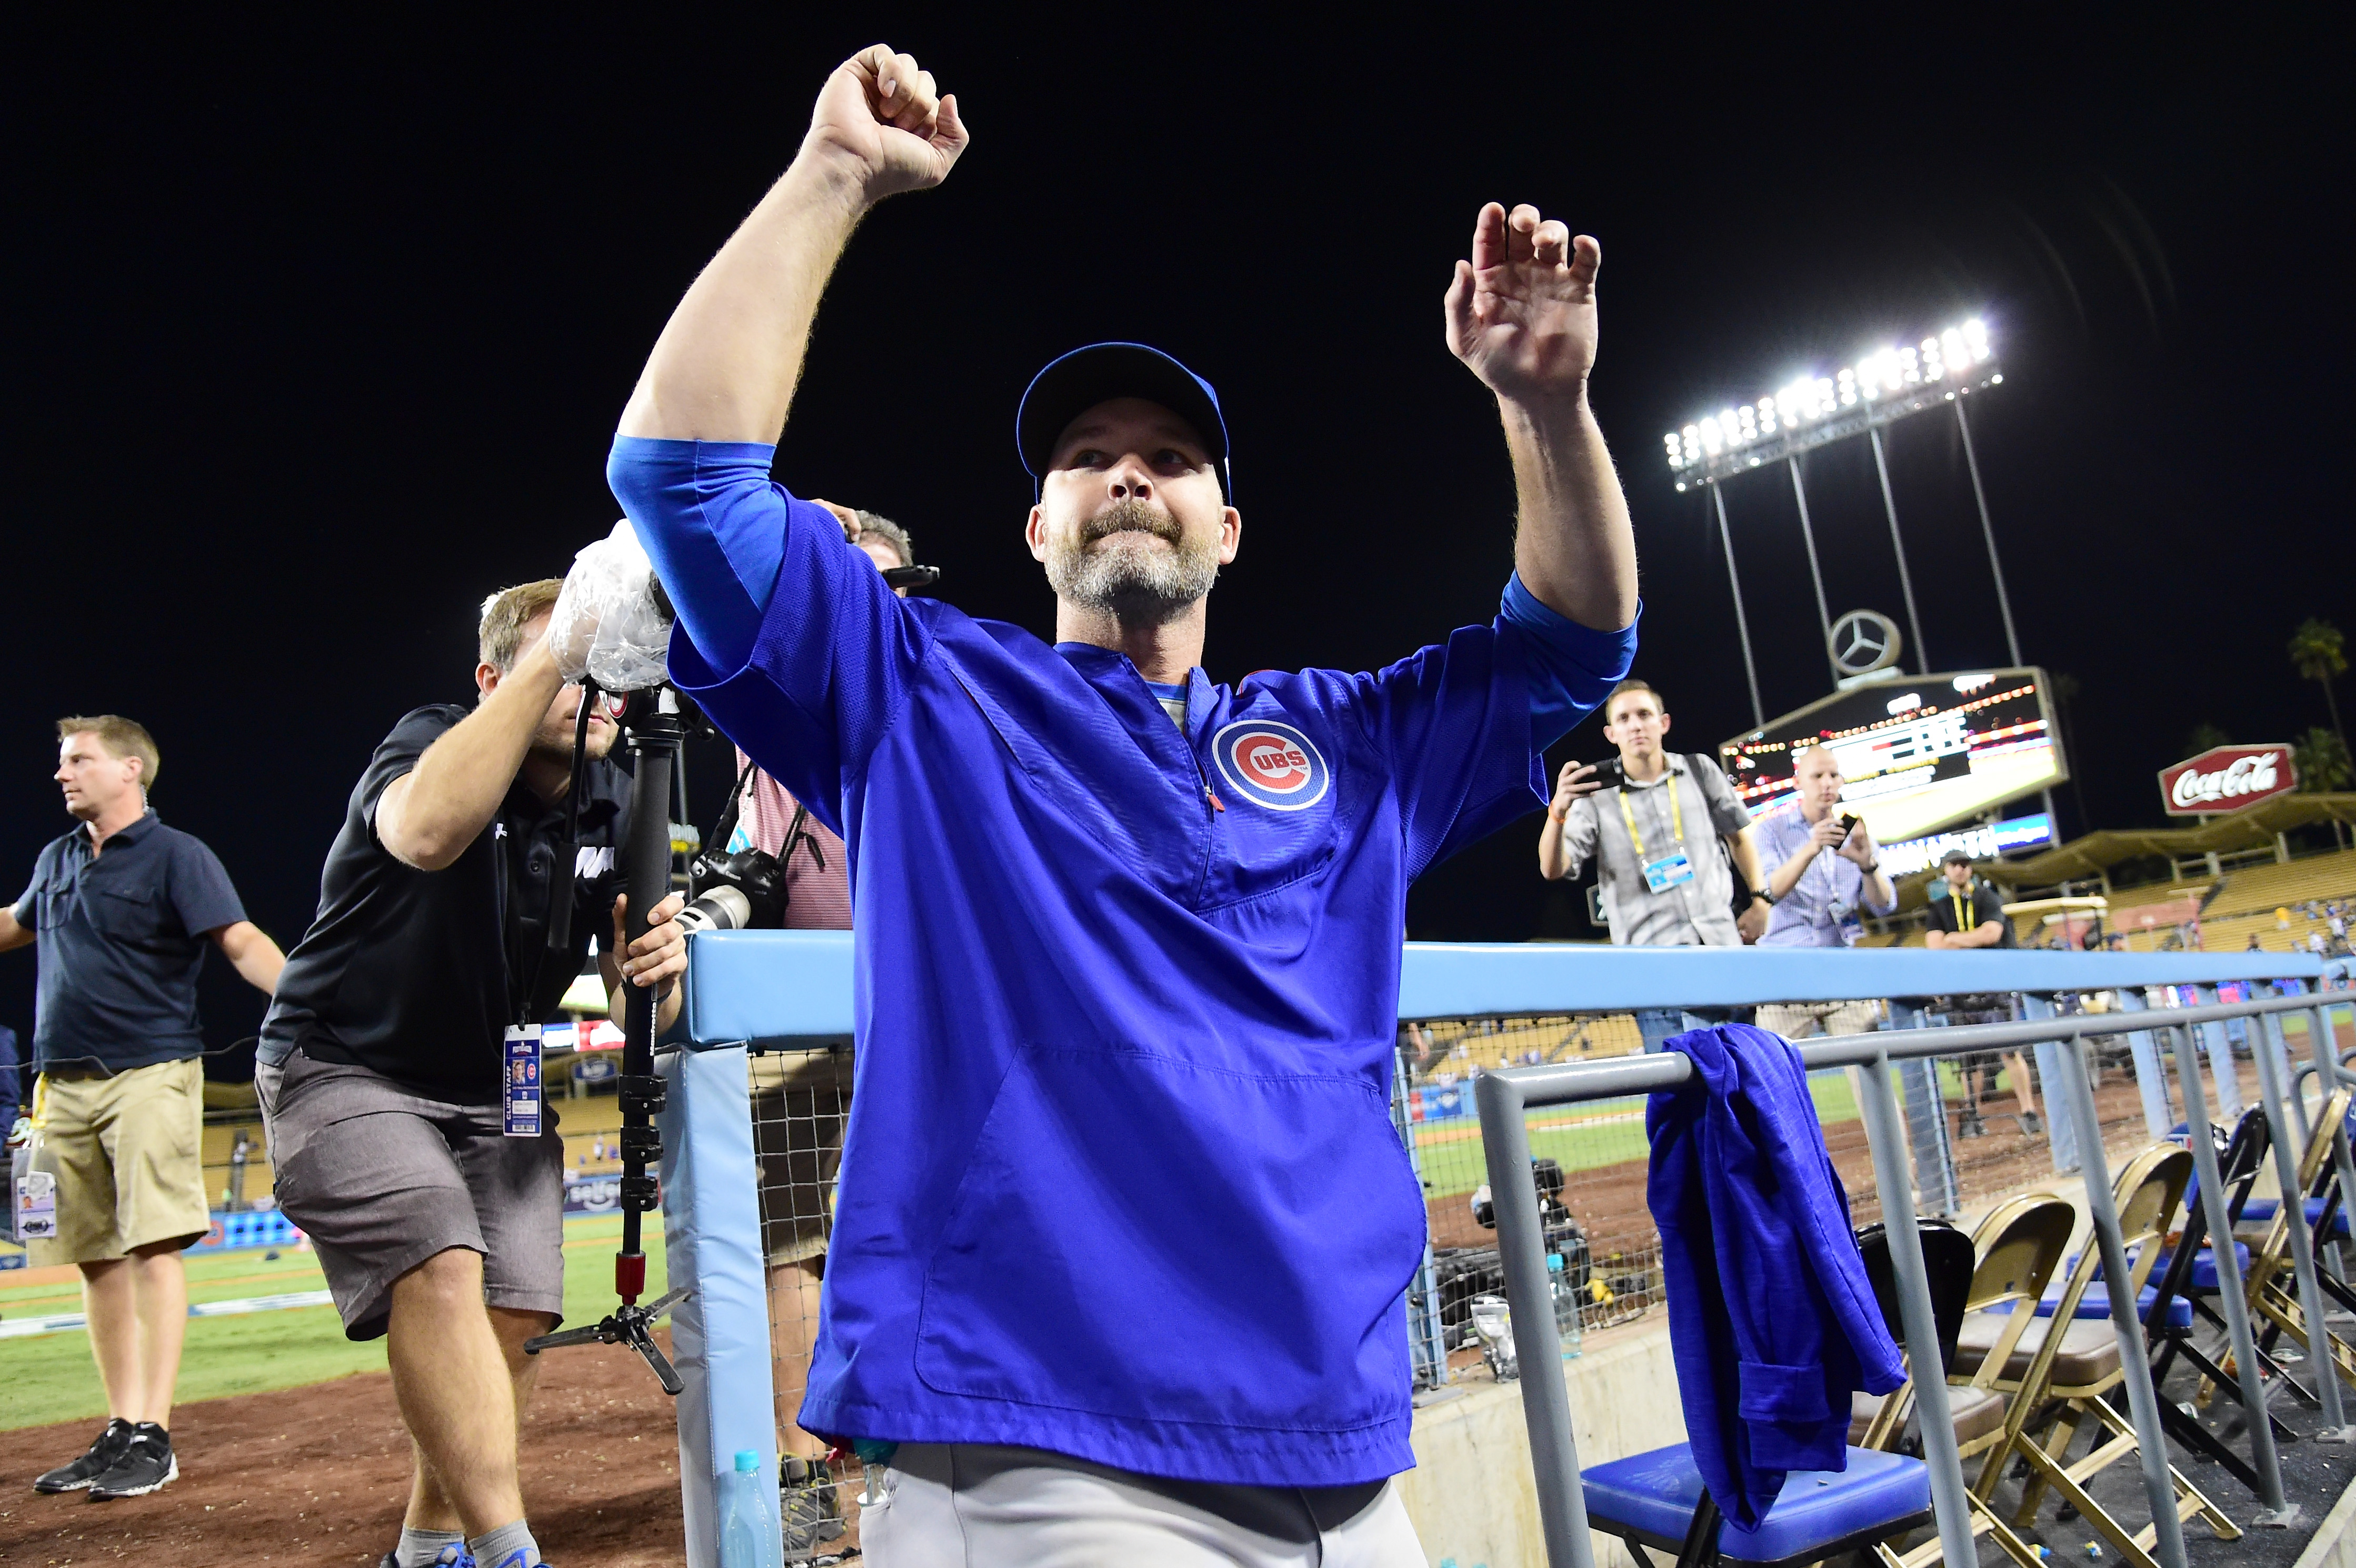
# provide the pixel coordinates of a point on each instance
(807, 1510)
(148, 1465)
(103, 1454)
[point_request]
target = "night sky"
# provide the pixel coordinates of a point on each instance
(317, 337)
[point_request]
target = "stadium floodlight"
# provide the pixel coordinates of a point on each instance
(1881, 387)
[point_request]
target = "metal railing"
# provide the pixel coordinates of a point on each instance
(1503, 1099)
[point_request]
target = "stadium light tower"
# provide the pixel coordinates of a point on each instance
(1879, 389)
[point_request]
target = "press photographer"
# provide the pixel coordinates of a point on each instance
(1668, 838)
(400, 1067)
(1828, 866)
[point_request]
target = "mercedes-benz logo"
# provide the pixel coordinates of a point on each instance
(1863, 641)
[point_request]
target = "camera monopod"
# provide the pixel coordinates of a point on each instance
(651, 729)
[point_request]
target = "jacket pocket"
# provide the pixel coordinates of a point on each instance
(1139, 1237)
(1784, 1394)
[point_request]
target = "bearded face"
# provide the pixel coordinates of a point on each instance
(1133, 561)
(1132, 523)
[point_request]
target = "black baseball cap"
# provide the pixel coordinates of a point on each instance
(1077, 382)
(1956, 858)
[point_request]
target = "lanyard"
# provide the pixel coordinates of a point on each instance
(1676, 817)
(1963, 924)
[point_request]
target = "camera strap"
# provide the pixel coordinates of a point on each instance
(796, 832)
(724, 827)
(725, 830)
(568, 846)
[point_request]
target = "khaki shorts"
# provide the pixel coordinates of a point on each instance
(801, 1101)
(128, 1155)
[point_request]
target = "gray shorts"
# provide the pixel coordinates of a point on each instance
(968, 1504)
(381, 1180)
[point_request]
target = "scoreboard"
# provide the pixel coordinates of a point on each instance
(1918, 755)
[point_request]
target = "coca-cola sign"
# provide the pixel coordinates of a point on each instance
(2228, 778)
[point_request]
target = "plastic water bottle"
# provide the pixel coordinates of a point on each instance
(1566, 1305)
(748, 1518)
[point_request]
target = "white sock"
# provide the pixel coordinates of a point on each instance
(418, 1548)
(509, 1546)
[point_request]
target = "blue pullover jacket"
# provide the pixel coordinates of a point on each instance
(1772, 1323)
(1120, 1181)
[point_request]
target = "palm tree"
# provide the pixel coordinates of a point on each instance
(2322, 762)
(2204, 737)
(2321, 654)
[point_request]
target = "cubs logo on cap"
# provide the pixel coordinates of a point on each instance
(1271, 765)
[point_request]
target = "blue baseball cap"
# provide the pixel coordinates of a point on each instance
(1077, 382)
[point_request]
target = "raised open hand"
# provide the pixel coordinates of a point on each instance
(880, 115)
(1521, 313)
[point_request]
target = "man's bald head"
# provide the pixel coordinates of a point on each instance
(1817, 777)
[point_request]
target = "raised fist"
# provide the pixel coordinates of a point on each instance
(881, 119)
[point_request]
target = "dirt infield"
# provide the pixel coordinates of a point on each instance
(319, 1475)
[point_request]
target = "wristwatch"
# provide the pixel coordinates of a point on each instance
(1761, 893)
(1874, 867)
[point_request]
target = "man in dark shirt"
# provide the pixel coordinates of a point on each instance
(436, 1211)
(123, 908)
(1965, 912)
(1969, 913)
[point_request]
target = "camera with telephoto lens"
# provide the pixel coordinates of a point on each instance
(737, 892)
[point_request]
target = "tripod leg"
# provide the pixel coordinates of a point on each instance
(592, 1334)
(644, 1344)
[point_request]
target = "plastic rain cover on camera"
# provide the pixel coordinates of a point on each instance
(608, 621)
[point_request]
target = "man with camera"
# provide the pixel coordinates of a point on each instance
(1128, 959)
(1828, 866)
(1668, 838)
(399, 1069)
(123, 908)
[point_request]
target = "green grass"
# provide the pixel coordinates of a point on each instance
(1605, 1132)
(50, 1378)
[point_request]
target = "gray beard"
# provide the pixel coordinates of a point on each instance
(1137, 589)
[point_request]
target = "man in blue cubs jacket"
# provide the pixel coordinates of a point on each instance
(1122, 1226)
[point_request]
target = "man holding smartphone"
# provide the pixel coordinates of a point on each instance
(1653, 823)
(1816, 895)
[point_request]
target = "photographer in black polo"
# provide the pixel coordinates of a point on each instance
(383, 1059)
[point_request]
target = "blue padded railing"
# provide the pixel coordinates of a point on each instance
(796, 988)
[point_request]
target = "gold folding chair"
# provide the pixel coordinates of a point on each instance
(2058, 1371)
(2018, 1244)
(2270, 1285)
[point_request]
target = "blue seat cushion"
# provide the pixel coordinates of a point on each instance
(2263, 1209)
(1653, 1495)
(2203, 1275)
(2096, 1302)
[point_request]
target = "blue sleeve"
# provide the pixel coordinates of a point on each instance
(1457, 727)
(710, 520)
(1571, 668)
(787, 636)
(201, 893)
